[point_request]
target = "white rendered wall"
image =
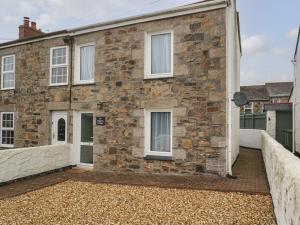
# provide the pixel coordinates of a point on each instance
(271, 123)
(296, 102)
(250, 138)
(283, 171)
(23, 162)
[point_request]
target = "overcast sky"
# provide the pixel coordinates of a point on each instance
(268, 27)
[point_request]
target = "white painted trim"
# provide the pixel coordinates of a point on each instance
(59, 115)
(77, 137)
(77, 64)
(59, 65)
(12, 71)
(148, 62)
(1, 128)
(147, 135)
(185, 10)
(251, 107)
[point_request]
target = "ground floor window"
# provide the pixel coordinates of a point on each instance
(158, 132)
(7, 129)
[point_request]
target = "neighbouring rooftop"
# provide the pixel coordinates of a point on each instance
(267, 91)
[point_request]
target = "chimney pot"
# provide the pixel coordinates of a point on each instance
(26, 21)
(33, 25)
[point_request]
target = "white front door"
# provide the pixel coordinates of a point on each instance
(59, 128)
(83, 138)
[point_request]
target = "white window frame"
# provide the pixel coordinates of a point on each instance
(148, 62)
(147, 137)
(247, 108)
(77, 64)
(12, 71)
(11, 129)
(59, 65)
(262, 107)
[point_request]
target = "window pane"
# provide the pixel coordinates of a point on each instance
(61, 130)
(8, 137)
(86, 154)
(7, 120)
(86, 127)
(59, 56)
(87, 61)
(59, 75)
(8, 80)
(160, 131)
(161, 53)
(8, 63)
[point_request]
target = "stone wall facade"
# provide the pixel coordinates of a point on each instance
(196, 94)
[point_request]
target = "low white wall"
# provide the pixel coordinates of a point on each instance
(18, 163)
(271, 123)
(250, 138)
(283, 170)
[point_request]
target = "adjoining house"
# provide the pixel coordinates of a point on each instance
(269, 109)
(295, 98)
(270, 93)
(147, 94)
(257, 96)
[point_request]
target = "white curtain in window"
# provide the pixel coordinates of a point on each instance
(160, 131)
(87, 61)
(161, 53)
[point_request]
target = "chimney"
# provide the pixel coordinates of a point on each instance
(28, 29)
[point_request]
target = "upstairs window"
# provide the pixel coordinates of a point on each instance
(159, 55)
(59, 66)
(85, 63)
(8, 72)
(7, 129)
(248, 109)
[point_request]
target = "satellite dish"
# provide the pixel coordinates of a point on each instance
(240, 99)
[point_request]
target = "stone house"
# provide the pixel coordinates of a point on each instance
(257, 96)
(261, 95)
(146, 94)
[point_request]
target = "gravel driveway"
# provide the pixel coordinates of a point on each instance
(73, 202)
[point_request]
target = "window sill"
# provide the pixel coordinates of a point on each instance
(57, 85)
(8, 89)
(158, 157)
(6, 147)
(153, 77)
(82, 84)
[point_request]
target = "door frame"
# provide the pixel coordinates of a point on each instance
(77, 137)
(53, 124)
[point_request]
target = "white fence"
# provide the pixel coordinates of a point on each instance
(283, 170)
(23, 162)
(250, 138)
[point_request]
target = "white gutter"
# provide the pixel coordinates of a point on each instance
(179, 11)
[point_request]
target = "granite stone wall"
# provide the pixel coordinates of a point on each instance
(196, 94)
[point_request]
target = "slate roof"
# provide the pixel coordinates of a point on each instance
(255, 92)
(279, 89)
(264, 92)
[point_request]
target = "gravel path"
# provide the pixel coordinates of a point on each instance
(86, 203)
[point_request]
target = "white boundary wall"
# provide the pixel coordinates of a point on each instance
(23, 162)
(283, 170)
(250, 138)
